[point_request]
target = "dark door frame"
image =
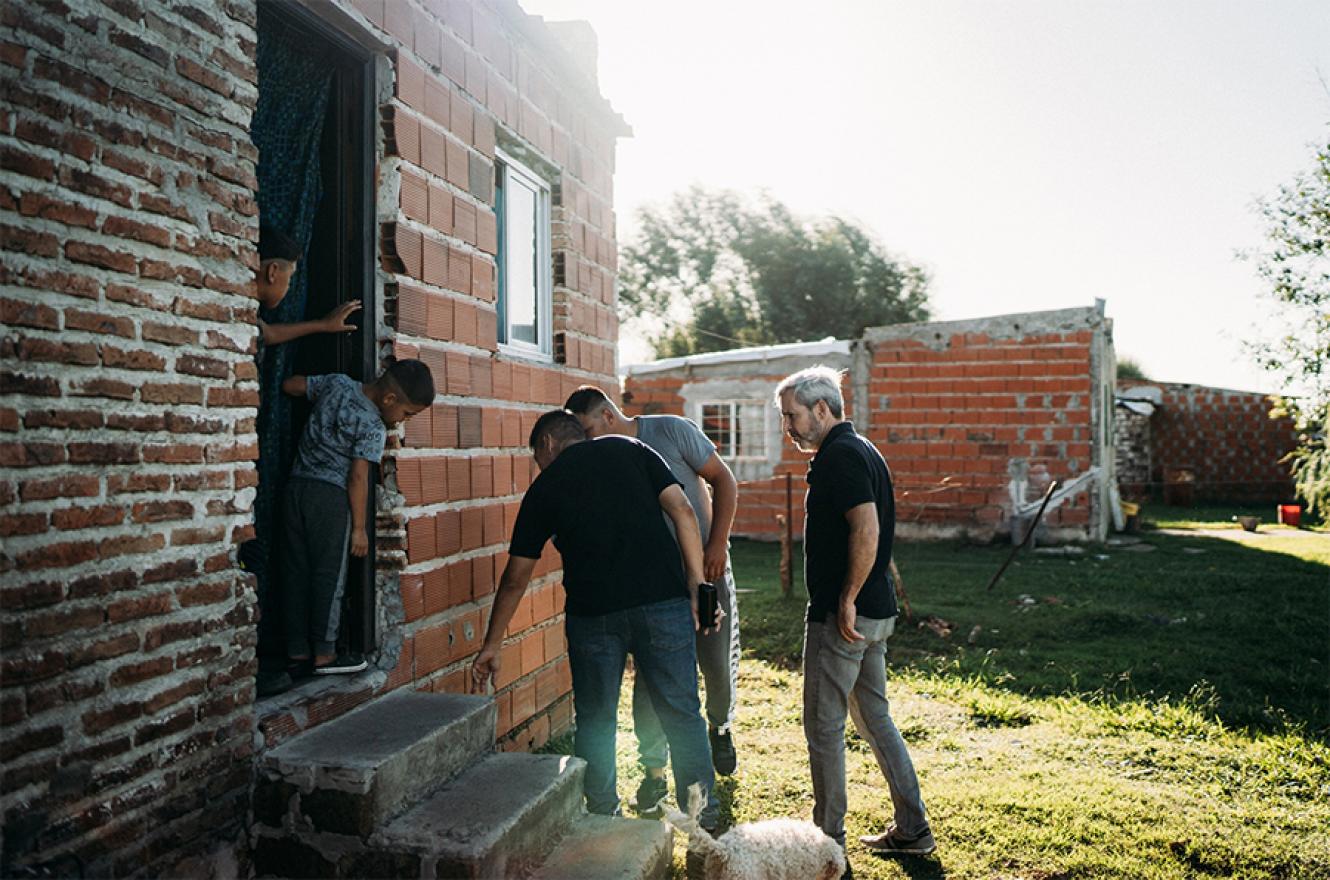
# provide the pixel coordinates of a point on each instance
(352, 205)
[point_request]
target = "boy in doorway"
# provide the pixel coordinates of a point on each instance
(279, 255)
(326, 500)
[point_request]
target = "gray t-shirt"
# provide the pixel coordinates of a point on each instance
(344, 425)
(686, 450)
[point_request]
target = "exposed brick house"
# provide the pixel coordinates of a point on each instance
(1193, 442)
(959, 409)
(129, 195)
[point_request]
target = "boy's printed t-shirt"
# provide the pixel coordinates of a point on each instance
(345, 425)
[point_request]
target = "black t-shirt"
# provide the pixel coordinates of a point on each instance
(846, 472)
(600, 501)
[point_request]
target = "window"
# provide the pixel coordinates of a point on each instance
(737, 427)
(522, 202)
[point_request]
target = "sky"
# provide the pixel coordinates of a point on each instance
(1030, 155)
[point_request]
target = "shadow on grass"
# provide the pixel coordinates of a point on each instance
(1236, 631)
(915, 867)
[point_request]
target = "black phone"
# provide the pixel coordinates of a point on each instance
(708, 600)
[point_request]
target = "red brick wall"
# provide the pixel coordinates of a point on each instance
(127, 406)
(949, 410)
(1225, 438)
(950, 415)
(128, 399)
(469, 76)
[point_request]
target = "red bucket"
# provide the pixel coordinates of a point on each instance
(1288, 515)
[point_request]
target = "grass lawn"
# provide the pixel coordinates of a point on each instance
(1123, 712)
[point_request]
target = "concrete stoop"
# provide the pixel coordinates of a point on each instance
(409, 786)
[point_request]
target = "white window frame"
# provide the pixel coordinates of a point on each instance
(736, 406)
(510, 168)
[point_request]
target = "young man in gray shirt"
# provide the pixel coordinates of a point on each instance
(693, 460)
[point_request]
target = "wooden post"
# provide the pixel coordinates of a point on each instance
(787, 541)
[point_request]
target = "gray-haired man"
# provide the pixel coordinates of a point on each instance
(849, 522)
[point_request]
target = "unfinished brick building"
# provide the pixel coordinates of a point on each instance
(456, 160)
(975, 418)
(1187, 443)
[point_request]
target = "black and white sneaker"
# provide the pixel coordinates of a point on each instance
(723, 756)
(342, 664)
(651, 795)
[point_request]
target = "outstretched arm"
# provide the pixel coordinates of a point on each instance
(512, 586)
(333, 322)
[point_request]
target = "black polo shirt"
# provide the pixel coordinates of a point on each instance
(846, 471)
(600, 501)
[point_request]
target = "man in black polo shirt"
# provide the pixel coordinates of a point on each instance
(849, 521)
(627, 593)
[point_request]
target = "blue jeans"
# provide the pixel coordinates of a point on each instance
(661, 639)
(718, 658)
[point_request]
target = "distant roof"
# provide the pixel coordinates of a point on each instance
(740, 355)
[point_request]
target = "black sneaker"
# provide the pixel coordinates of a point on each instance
(892, 841)
(342, 664)
(271, 682)
(651, 795)
(723, 757)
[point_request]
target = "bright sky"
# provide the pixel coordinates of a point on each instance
(1031, 155)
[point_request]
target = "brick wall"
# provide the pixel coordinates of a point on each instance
(128, 397)
(1225, 438)
(127, 406)
(951, 405)
(470, 77)
(955, 404)
(1131, 432)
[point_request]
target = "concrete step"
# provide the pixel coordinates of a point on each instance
(498, 819)
(605, 848)
(355, 773)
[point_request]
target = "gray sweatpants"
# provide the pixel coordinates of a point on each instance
(718, 658)
(840, 675)
(316, 534)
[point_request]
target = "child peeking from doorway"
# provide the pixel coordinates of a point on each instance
(326, 500)
(278, 256)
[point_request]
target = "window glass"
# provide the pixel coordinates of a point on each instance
(520, 261)
(522, 203)
(737, 427)
(717, 424)
(752, 430)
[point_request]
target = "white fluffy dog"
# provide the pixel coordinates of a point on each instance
(773, 849)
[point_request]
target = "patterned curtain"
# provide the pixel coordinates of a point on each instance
(295, 82)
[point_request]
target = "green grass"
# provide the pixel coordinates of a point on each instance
(1156, 714)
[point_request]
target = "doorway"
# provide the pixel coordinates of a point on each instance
(314, 129)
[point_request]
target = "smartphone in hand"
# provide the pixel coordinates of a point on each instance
(708, 601)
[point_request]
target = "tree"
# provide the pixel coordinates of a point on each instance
(712, 270)
(1130, 368)
(1295, 265)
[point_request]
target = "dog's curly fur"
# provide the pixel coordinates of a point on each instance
(773, 849)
